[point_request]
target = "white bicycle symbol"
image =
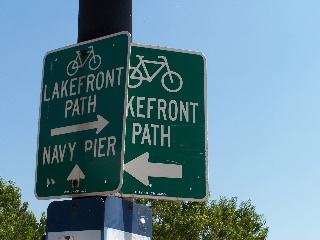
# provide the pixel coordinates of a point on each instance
(171, 81)
(74, 65)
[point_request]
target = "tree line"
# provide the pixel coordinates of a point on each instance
(223, 219)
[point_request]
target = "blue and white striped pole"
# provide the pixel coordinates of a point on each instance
(95, 218)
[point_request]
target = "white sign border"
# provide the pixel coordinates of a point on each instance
(105, 193)
(206, 131)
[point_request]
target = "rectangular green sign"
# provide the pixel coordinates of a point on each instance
(166, 130)
(82, 119)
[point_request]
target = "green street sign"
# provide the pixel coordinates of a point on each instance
(82, 119)
(166, 129)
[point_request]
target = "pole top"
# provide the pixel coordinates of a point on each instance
(103, 17)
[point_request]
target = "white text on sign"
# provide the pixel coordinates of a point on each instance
(162, 110)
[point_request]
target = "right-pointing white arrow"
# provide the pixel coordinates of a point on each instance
(141, 169)
(99, 125)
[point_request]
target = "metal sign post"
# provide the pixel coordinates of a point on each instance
(100, 18)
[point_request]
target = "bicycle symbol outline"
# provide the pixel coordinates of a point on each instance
(136, 74)
(94, 62)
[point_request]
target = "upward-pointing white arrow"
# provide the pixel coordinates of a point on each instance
(76, 174)
(99, 125)
(141, 169)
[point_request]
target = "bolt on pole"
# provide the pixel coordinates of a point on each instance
(98, 18)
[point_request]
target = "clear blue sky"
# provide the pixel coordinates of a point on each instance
(263, 94)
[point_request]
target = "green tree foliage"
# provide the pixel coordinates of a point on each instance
(16, 222)
(211, 220)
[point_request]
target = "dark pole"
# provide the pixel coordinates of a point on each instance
(98, 18)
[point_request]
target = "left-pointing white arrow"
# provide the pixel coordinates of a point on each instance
(141, 169)
(99, 125)
(75, 176)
